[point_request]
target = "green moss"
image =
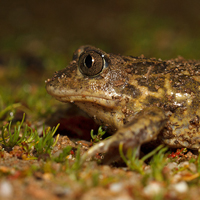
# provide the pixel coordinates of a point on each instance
(23, 135)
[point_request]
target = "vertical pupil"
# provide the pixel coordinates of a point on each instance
(88, 61)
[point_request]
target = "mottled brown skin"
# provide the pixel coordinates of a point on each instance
(141, 99)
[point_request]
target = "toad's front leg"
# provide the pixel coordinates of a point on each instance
(142, 128)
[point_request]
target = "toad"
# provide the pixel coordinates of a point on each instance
(139, 99)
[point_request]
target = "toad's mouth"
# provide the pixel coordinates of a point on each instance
(104, 99)
(76, 98)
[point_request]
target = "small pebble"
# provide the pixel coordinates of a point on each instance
(58, 152)
(172, 165)
(152, 189)
(180, 187)
(184, 164)
(193, 167)
(6, 189)
(116, 187)
(62, 191)
(176, 178)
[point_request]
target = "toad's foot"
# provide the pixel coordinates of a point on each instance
(142, 128)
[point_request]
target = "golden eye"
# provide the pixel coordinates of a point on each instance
(91, 63)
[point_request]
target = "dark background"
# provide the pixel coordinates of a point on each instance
(155, 28)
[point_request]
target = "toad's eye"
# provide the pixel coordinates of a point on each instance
(91, 63)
